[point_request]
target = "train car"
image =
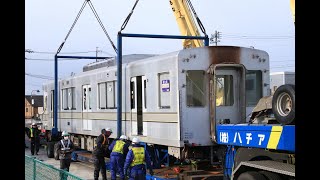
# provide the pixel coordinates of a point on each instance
(166, 98)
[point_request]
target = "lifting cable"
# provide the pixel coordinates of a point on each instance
(197, 18)
(128, 17)
(96, 15)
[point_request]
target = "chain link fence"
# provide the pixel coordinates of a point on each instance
(37, 170)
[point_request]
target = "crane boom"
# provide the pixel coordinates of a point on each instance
(186, 23)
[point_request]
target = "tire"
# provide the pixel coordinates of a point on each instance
(56, 151)
(50, 149)
(283, 104)
(251, 175)
(270, 175)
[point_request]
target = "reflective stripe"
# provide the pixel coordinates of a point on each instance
(104, 139)
(64, 147)
(118, 147)
(31, 132)
(138, 156)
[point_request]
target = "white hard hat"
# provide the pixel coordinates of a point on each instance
(123, 137)
(135, 140)
(65, 133)
(109, 129)
(33, 124)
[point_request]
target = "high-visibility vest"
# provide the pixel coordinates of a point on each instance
(31, 132)
(64, 147)
(138, 156)
(118, 147)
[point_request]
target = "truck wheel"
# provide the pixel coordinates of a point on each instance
(56, 151)
(270, 175)
(50, 149)
(283, 104)
(251, 175)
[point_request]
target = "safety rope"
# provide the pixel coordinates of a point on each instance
(197, 18)
(128, 17)
(74, 23)
(96, 15)
(100, 22)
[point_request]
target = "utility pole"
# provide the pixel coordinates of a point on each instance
(215, 38)
(96, 54)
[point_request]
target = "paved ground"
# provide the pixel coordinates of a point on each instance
(81, 169)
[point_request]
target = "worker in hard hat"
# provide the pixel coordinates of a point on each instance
(138, 160)
(66, 147)
(34, 138)
(99, 152)
(119, 150)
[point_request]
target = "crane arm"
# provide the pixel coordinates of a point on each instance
(186, 23)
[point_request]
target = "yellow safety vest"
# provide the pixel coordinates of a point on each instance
(118, 147)
(31, 132)
(138, 156)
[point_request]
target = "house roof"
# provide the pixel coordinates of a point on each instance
(38, 100)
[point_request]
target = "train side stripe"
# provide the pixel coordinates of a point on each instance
(275, 135)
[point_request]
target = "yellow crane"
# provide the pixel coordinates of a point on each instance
(186, 22)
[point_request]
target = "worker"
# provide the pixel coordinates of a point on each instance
(99, 152)
(34, 138)
(119, 150)
(26, 131)
(66, 147)
(137, 157)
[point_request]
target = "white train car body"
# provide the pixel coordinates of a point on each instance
(166, 99)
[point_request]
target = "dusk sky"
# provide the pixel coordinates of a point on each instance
(265, 25)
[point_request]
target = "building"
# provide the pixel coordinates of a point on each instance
(33, 106)
(279, 78)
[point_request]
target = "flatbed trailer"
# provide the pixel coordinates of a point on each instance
(268, 149)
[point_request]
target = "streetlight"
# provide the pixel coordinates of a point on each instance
(32, 102)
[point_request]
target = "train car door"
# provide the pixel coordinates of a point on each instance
(228, 99)
(86, 107)
(137, 96)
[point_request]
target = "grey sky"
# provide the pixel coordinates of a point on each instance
(266, 25)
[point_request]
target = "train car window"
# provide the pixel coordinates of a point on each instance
(224, 90)
(253, 87)
(89, 99)
(195, 80)
(110, 95)
(65, 99)
(102, 95)
(164, 90)
(115, 94)
(84, 98)
(145, 93)
(51, 100)
(132, 92)
(73, 97)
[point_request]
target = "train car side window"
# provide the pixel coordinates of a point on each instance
(51, 100)
(195, 88)
(73, 97)
(102, 95)
(65, 99)
(253, 87)
(164, 90)
(110, 95)
(115, 94)
(132, 94)
(89, 99)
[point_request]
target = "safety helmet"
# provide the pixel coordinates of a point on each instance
(123, 137)
(135, 140)
(65, 133)
(33, 124)
(109, 129)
